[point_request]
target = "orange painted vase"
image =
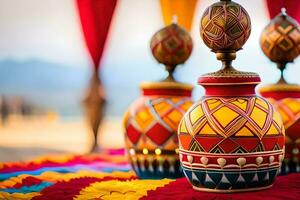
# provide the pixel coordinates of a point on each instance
(231, 140)
(151, 122)
(286, 99)
(280, 42)
(151, 129)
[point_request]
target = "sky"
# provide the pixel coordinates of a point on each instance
(50, 31)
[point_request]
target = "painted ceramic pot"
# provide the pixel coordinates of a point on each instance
(286, 99)
(280, 42)
(151, 129)
(151, 122)
(231, 140)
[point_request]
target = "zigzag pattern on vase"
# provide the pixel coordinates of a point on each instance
(233, 180)
(231, 171)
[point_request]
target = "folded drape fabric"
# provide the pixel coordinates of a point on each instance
(95, 17)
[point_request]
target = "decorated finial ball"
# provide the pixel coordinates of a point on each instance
(225, 26)
(171, 45)
(280, 40)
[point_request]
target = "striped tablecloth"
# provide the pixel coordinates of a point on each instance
(108, 176)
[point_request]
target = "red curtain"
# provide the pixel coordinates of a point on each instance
(292, 8)
(95, 16)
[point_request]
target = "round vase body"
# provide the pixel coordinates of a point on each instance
(151, 129)
(231, 140)
(286, 99)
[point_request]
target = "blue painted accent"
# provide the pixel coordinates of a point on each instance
(74, 168)
(28, 189)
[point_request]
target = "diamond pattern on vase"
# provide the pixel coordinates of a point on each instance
(196, 114)
(157, 121)
(231, 119)
(230, 116)
(158, 134)
(144, 118)
(133, 134)
(162, 107)
(259, 117)
(173, 118)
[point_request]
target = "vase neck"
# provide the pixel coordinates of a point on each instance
(230, 90)
(166, 89)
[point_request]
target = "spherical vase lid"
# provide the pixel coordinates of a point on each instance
(225, 27)
(280, 39)
(280, 42)
(171, 46)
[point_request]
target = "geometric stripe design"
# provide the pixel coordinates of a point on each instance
(237, 181)
(231, 125)
(231, 172)
(151, 135)
(231, 144)
(152, 122)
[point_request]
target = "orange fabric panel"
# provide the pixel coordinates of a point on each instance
(183, 9)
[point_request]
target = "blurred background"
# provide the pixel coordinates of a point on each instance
(45, 70)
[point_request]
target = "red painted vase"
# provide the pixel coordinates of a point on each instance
(151, 129)
(151, 121)
(231, 140)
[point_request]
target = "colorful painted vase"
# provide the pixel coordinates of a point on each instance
(280, 41)
(231, 140)
(151, 122)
